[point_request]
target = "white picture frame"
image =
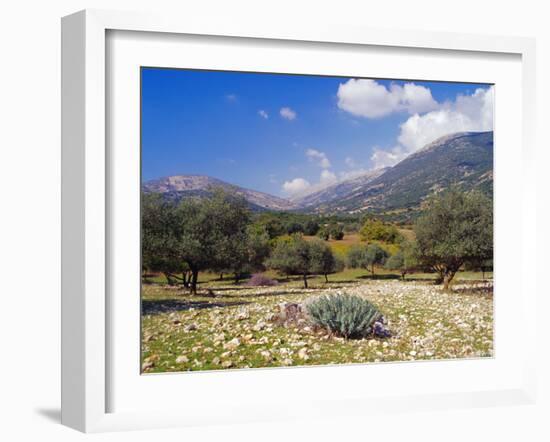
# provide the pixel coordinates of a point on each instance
(86, 210)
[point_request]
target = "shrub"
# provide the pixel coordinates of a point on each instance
(323, 233)
(347, 315)
(259, 280)
(294, 227)
(376, 230)
(336, 231)
(311, 227)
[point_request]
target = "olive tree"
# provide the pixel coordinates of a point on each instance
(311, 227)
(404, 260)
(248, 255)
(292, 256)
(366, 257)
(213, 233)
(456, 227)
(336, 231)
(323, 259)
(160, 230)
(375, 255)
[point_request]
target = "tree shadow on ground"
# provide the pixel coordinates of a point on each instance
(260, 295)
(153, 307)
(228, 288)
(420, 279)
(474, 290)
(381, 277)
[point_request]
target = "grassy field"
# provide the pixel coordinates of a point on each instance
(231, 326)
(342, 246)
(212, 280)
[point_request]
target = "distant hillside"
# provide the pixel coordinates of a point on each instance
(185, 186)
(344, 189)
(462, 159)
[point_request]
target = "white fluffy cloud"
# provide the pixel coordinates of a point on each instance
(328, 178)
(370, 99)
(287, 113)
(468, 113)
(295, 187)
(386, 157)
(318, 157)
(263, 114)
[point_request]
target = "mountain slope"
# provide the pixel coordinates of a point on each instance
(185, 186)
(463, 159)
(344, 189)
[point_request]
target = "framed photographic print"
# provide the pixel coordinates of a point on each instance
(252, 211)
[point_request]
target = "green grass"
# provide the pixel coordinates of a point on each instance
(175, 324)
(209, 279)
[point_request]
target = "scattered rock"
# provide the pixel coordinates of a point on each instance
(182, 359)
(189, 328)
(147, 365)
(290, 312)
(232, 345)
(260, 325)
(220, 337)
(380, 330)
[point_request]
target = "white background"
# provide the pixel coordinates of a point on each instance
(30, 232)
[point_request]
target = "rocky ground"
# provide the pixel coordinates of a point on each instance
(235, 327)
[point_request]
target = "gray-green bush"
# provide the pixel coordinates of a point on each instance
(347, 315)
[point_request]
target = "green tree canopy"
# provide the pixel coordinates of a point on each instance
(323, 259)
(160, 231)
(376, 230)
(366, 257)
(455, 228)
(404, 260)
(292, 256)
(336, 231)
(214, 233)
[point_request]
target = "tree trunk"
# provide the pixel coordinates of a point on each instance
(326, 278)
(237, 278)
(483, 273)
(221, 276)
(169, 279)
(185, 279)
(447, 278)
(305, 280)
(194, 278)
(372, 271)
(440, 277)
(403, 275)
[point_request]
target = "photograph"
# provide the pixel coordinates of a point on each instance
(292, 220)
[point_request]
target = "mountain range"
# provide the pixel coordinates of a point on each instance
(178, 187)
(462, 159)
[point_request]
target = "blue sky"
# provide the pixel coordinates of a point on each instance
(290, 134)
